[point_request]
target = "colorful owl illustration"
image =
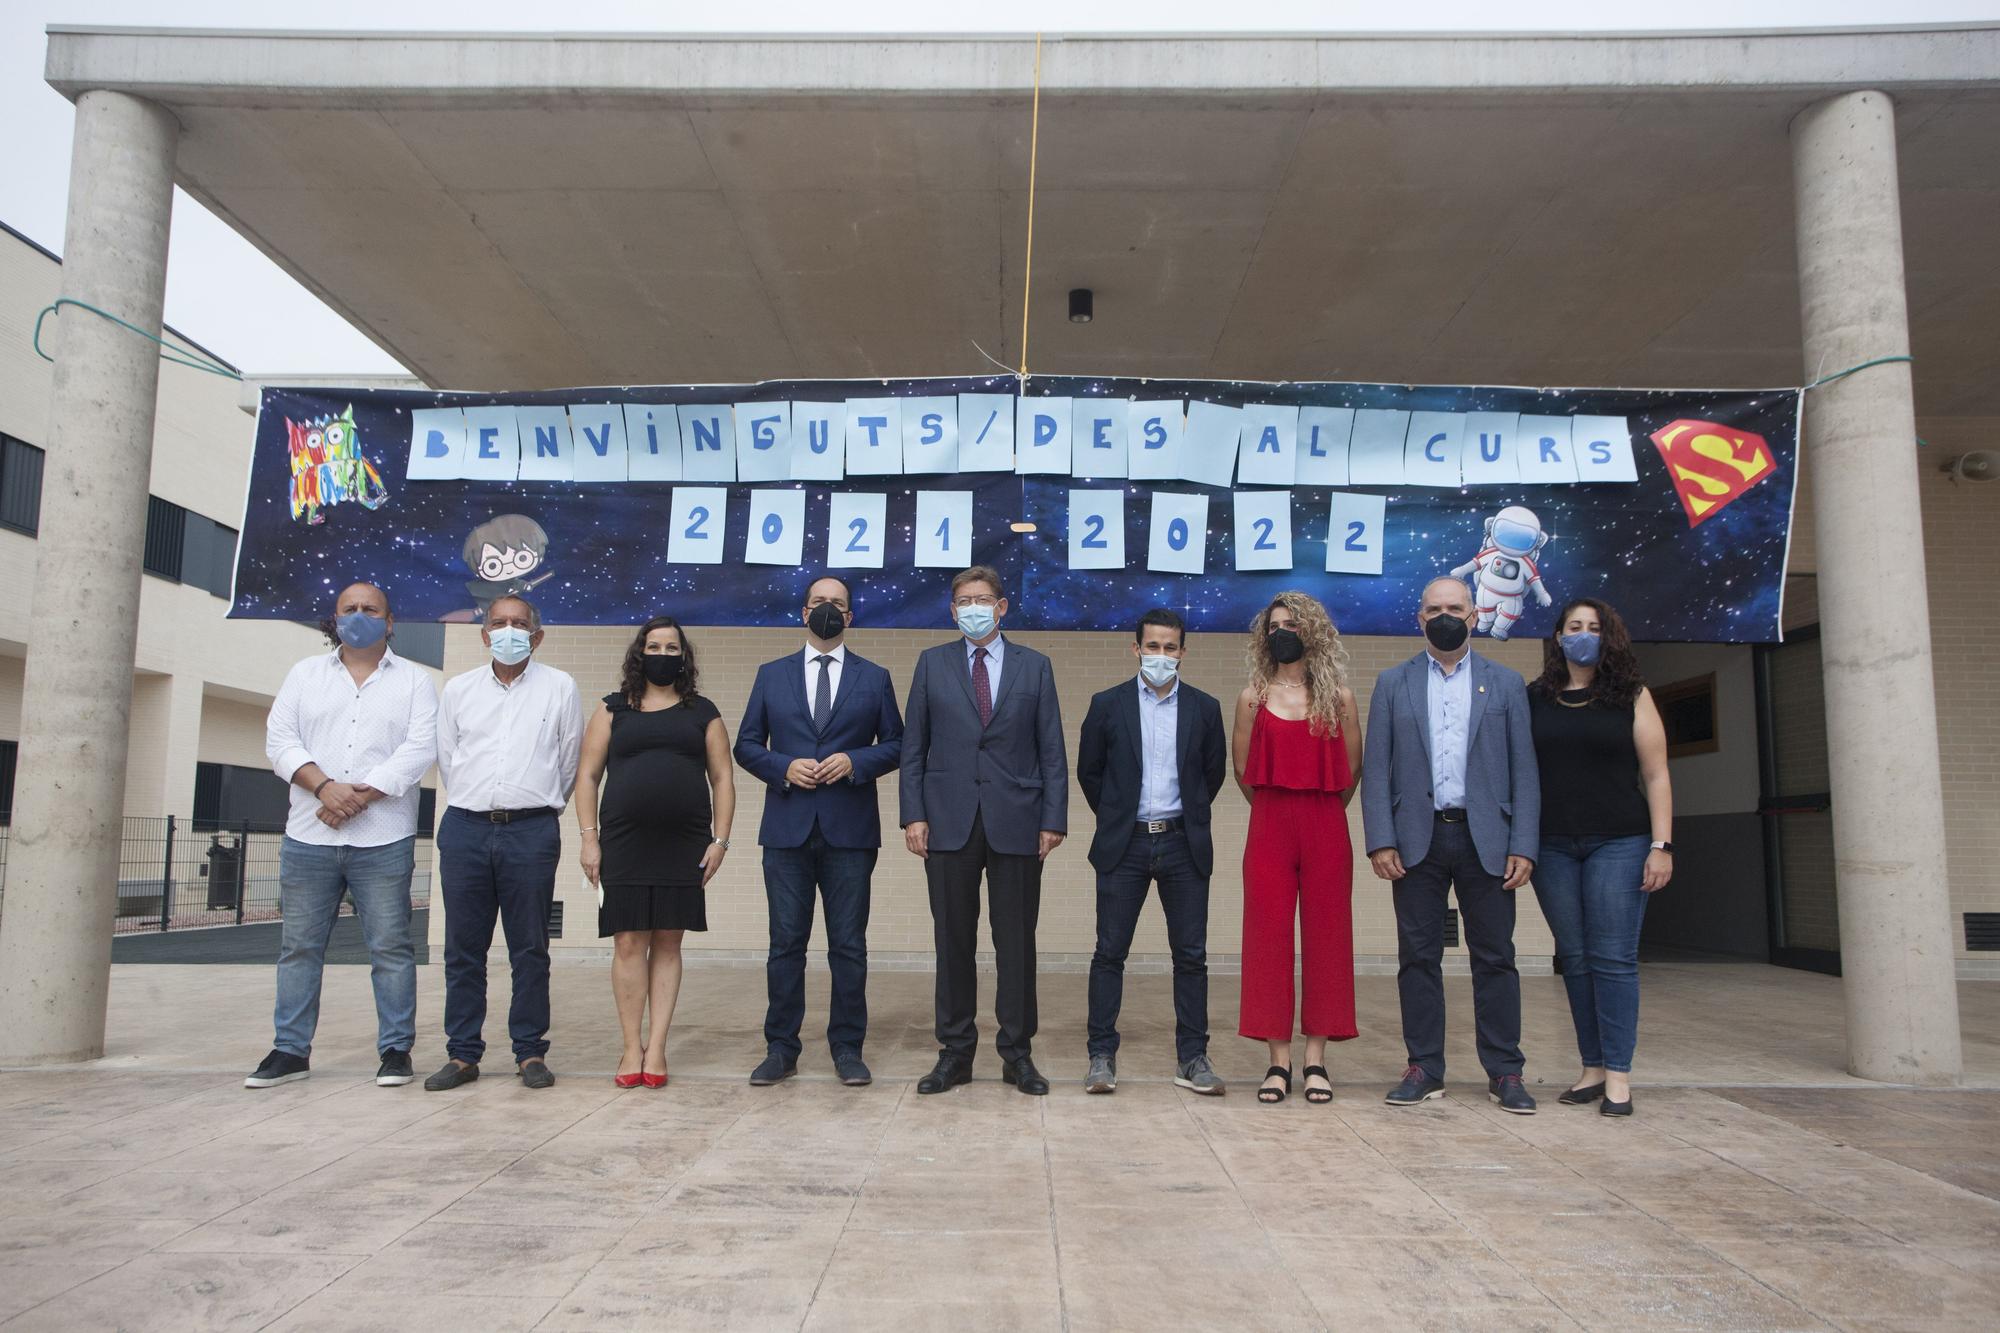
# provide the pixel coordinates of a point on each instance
(329, 467)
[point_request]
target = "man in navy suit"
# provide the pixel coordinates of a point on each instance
(819, 729)
(1150, 761)
(985, 790)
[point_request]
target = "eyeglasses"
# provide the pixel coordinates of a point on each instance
(982, 600)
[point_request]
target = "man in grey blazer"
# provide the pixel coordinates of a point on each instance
(1451, 801)
(985, 789)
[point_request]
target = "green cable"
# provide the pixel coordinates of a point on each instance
(168, 351)
(1843, 374)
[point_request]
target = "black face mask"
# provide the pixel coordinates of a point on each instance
(1286, 647)
(663, 668)
(826, 622)
(1445, 633)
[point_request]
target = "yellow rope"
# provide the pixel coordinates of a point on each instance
(1034, 144)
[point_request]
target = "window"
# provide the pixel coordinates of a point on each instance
(229, 794)
(186, 547)
(166, 535)
(208, 554)
(20, 486)
(9, 751)
(420, 641)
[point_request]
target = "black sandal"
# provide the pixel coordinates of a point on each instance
(1319, 1096)
(1272, 1096)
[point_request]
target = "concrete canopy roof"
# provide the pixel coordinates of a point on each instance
(519, 212)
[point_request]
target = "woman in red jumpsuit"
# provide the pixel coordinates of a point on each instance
(1297, 752)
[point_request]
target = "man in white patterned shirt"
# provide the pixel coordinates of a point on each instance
(353, 731)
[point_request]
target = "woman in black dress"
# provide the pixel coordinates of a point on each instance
(660, 833)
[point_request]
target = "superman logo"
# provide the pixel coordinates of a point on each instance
(1711, 464)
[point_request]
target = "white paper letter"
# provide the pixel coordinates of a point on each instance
(874, 437)
(777, 528)
(1270, 447)
(1491, 444)
(1208, 448)
(819, 435)
(1042, 436)
(437, 443)
(1354, 534)
(1324, 433)
(708, 442)
(856, 530)
(1177, 540)
(1099, 449)
(1603, 449)
(986, 432)
(1431, 453)
(1155, 429)
(696, 525)
(763, 443)
(597, 434)
(944, 529)
(548, 453)
(1544, 450)
(930, 435)
(1096, 529)
(1263, 529)
(1375, 458)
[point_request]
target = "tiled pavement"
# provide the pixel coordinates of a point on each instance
(139, 1194)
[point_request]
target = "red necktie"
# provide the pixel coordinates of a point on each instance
(982, 687)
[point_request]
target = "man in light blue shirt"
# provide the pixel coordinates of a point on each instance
(1150, 760)
(1451, 806)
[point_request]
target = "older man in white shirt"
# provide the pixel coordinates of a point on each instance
(353, 731)
(509, 732)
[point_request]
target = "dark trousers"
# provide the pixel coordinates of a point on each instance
(841, 877)
(1486, 915)
(506, 871)
(1150, 858)
(1014, 890)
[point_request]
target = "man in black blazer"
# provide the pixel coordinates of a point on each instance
(819, 729)
(1150, 761)
(985, 789)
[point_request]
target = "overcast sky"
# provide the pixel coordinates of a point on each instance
(225, 295)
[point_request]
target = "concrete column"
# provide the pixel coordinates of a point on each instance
(55, 935)
(1882, 741)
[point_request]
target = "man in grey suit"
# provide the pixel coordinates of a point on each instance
(985, 789)
(1451, 800)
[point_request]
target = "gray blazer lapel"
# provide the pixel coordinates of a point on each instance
(1183, 731)
(1417, 689)
(1010, 675)
(850, 685)
(1479, 682)
(961, 667)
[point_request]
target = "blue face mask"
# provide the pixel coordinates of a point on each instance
(358, 629)
(510, 644)
(1583, 649)
(976, 622)
(1158, 668)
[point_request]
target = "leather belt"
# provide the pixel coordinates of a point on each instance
(1174, 825)
(1452, 815)
(507, 816)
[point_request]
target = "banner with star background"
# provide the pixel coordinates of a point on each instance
(1096, 498)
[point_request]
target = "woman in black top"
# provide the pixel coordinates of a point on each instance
(660, 833)
(1607, 824)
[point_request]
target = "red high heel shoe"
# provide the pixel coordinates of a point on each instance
(653, 1080)
(628, 1080)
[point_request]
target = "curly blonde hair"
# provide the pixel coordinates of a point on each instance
(1325, 660)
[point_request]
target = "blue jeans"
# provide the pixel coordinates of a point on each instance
(1121, 893)
(1589, 890)
(841, 876)
(311, 880)
(505, 872)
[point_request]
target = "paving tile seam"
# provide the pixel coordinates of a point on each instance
(853, 1203)
(1187, 1105)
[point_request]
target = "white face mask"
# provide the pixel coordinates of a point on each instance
(976, 622)
(510, 645)
(1158, 669)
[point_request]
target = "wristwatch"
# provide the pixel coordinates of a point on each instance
(1666, 847)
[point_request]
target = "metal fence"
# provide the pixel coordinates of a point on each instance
(175, 873)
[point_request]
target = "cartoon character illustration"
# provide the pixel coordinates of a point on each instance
(1505, 570)
(329, 467)
(502, 553)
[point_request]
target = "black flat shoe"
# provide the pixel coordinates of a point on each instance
(1582, 1096)
(1272, 1096)
(1318, 1096)
(1615, 1108)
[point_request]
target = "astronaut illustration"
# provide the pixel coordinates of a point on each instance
(1504, 570)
